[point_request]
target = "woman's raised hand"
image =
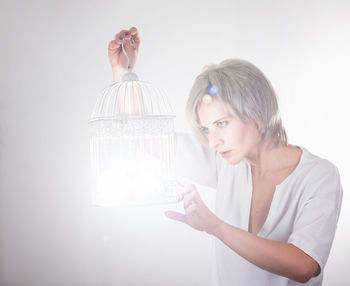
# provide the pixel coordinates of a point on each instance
(117, 58)
(197, 214)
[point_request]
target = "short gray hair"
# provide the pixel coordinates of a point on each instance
(246, 94)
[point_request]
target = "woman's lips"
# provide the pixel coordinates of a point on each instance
(225, 154)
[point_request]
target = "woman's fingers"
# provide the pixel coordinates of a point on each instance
(189, 198)
(185, 218)
(183, 190)
(113, 45)
(189, 193)
(125, 34)
(121, 34)
(187, 189)
(130, 40)
(176, 216)
(180, 184)
(119, 37)
(118, 40)
(191, 209)
(134, 33)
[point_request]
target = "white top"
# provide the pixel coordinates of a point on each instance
(304, 210)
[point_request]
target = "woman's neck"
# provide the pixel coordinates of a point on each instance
(266, 160)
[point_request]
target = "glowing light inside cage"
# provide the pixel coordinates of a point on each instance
(132, 145)
(133, 178)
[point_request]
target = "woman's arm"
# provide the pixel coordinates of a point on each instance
(280, 258)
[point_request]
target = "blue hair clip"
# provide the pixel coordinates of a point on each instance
(213, 89)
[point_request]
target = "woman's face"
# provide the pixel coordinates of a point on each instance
(231, 138)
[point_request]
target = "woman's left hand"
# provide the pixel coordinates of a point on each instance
(197, 214)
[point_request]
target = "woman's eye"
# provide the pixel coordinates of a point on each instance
(221, 123)
(204, 130)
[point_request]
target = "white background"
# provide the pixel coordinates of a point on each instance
(53, 64)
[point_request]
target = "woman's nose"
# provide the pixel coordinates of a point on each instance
(214, 141)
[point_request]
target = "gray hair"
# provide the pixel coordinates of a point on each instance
(246, 94)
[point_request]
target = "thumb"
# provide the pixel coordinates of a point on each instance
(176, 216)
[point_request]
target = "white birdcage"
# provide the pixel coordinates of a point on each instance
(132, 145)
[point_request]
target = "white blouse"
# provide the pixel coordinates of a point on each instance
(304, 210)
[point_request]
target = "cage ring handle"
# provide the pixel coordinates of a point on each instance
(131, 39)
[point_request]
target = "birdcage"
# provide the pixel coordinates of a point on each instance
(132, 145)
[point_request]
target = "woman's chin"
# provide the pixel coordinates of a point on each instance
(233, 160)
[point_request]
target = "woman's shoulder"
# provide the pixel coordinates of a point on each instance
(317, 177)
(316, 162)
(316, 167)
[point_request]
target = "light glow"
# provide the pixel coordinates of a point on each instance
(132, 146)
(132, 171)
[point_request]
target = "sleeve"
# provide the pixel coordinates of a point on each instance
(195, 162)
(317, 217)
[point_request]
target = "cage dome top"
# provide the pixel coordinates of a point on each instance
(131, 98)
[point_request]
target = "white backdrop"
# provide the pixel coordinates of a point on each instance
(53, 64)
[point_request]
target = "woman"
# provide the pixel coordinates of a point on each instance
(277, 204)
